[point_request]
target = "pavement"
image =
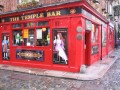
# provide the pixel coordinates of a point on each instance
(95, 71)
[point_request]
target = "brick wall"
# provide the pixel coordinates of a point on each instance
(12, 4)
(8, 5)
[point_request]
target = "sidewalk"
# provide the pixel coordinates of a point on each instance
(95, 71)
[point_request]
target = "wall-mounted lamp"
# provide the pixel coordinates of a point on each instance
(110, 15)
(103, 9)
(106, 12)
(96, 1)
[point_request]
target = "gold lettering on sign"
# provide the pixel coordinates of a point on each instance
(48, 14)
(41, 15)
(22, 17)
(58, 13)
(53, 13)
(14, 19)
(33, 16)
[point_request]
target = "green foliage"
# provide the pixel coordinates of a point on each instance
(24, 1)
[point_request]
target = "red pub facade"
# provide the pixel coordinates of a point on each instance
(59, 37)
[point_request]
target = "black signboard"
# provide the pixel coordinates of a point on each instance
(53, 13)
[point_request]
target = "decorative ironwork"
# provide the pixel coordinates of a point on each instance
(30, 55)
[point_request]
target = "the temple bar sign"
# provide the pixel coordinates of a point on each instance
(43, 14)
(32, 16)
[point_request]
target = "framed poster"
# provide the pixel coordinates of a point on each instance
(39, 33)
(60, 46)
(25, 33)
(5, 46)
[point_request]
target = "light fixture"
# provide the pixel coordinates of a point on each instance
(43, 29)
(96, 1)
(103, 9)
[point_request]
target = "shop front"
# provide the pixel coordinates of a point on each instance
(62, 37)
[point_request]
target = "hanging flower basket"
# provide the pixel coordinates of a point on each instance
(27, 5)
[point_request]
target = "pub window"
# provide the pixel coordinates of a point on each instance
(94, 33)
(43, 37)
(43, 23)
(16, 25)
(29, 24)
(17, 37)
(104, 36)
(28, 35)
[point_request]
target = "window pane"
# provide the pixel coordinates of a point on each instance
(17, 37)
(30, 24)
(16, 25)
(43, 37)
(43, 23)
(28, 37)
(104, 37)
(94, 33)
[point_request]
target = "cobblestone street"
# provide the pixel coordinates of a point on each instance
(10, 80)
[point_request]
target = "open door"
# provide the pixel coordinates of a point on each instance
(87, 47)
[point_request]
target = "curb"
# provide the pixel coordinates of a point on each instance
(95, 71)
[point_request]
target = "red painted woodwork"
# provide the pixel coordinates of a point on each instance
(79, 50)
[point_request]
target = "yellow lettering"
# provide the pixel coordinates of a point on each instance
(11, 19)
(22, 17)
(53, 14)
(26, 17)
(18, 19)
(31, 17)
(48, 14)
(41, 15)
(58, 13)
(34, 15)
(37, 16)
(14, 19)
